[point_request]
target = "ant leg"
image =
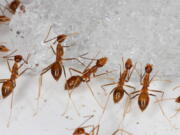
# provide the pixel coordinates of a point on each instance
(68, 45)
(122, 130)
(129, 75)
(120, 71)
(11, 107)
(177, 111)
(168, 81)
(64, 71)
(24, 71)
(2, 10)
(70, 99)
(75, 70)
(93, 94)
(159, 91)
(135, 92)
(45, 40)
(140, 74)
(89, 117)
(176, 87)
(165, 99)
(27, 59)
(102, 86)
(152, 95)
(10, 54)
(40, 84)
(126, 93)
(165, 116)
(107, 72)
(135, 96)
(127, 108)
(53, 50)
(9, 66)
(74, 59)
(93, 130)
(90, 61)
(105, 106)
(123, 63)
(130, 87)
(153, 77)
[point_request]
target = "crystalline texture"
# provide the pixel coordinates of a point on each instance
(146, 31)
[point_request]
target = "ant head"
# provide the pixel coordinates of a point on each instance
(61, 38)
(101, 62)
(148, 68)
(79, 131)
(18, 58)
(128, 64)
(178, 99)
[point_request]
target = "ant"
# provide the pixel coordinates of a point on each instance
(118, 91)
(143, 99)
(57, 66)
(9, 84)
(76, 80)
(81, 129)
(3, 48)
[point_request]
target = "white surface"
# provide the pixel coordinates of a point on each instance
(54, 98)
(49, 119)
(145, 30)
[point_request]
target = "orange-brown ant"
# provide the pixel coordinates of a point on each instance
(9, 84)
(118, 91)
(76, 80)
(57, 66)
(143, 94)
(81, 129)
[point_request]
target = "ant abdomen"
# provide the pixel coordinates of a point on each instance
(79, 131)
(118, 94)
(73, 82)
(7, 88)
(56, 70)
(143, 101)
(3, 48)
